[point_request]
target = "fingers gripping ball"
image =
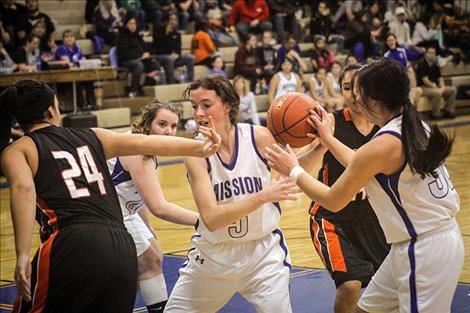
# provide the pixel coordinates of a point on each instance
(287, 119)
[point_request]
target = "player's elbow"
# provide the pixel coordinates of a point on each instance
(211, 222)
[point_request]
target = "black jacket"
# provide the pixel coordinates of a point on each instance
(130, 46)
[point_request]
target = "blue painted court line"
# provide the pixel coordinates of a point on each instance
(312, 291)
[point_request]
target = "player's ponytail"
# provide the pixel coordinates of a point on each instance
(387, 82)
(26, 101)
(424, 149)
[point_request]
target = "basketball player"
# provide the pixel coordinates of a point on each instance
(408, 187)
(138, 189)
(238, 245)
(89, 263)
(350, 243)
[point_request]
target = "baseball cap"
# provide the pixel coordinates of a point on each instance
(399, 10)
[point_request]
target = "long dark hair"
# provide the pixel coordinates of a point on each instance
(26, 100)
(387, 81)
(223, 88)
(348, 68)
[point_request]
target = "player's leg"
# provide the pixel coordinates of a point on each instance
(347, 295)
(266, 284)
(201, 287)
(152, 284)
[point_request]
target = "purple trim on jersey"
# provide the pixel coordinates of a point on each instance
(231, 166)
(390, 185)
(283, 246)
(208, 165)
(119, 174)
(391, 132)
(253, 141)
(276, 204)
(185, 263)
(196, 225)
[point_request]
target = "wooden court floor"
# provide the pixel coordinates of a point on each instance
(175, 239)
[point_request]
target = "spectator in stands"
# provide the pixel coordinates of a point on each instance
(248, 112)
(6, 63)
(217, 27)
(401, 29)
(346, 12)
(318, 91)
(28, 57)
(44, 45)
(322, 24)
(10, 11)
(217, 66)
(134, 9)
(131, 52)
(333, 86)
(363, 35)
(267, 56)
(70, 53)
(350, 59)
(247, 63)
(284, 81)
(107, 21)
(456, 32)
(320, 56)
(401, 56)
(291, 50)
(26, 21)
(90, 7)
(283, 17)
(431, 81)
(158, 10)
(202, 46)
(188, 10)
(249, 16)
(167, 46)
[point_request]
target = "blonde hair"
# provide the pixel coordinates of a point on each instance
(149, 113)
(246, 87)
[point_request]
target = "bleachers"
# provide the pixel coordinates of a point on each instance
(70, 15)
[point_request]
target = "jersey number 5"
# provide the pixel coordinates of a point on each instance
(87, 165)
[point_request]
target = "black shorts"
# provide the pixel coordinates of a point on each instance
(84, 268)
(351, 248)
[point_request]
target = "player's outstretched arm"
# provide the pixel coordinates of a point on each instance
(23, 209)
(216, 216)
(324, 124)
(117, 144)
(142, 171)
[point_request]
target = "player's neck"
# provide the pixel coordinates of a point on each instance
(361, 123)
(228, 141)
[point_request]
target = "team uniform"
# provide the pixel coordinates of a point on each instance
(249, 256)
(351, 242)
(131, 203)
(421, 272)
(87, 263)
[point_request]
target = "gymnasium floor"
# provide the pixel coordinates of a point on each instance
(311, 288)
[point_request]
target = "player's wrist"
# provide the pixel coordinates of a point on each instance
(295, 173)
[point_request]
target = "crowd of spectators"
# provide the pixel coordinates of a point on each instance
(268, 33)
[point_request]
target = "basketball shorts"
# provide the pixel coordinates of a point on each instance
(258, 270)
(139, 232)
(351, 249)
(419, 276)
(84, 268)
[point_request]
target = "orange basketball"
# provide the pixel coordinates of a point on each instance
(287, 119)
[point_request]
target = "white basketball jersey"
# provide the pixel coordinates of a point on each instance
(408, 206)
(129, 197)
(247, 174)
(286, 85)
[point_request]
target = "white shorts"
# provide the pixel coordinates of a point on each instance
(426, 287)
(139, 232)
(258, 270)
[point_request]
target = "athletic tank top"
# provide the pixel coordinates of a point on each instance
(407, 205)
(335, 83)
(247, 174)
(346, 132)
(286, 85)
(318, 86)
(129, 197)
(72, 181)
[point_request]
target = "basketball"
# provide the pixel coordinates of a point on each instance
(287, 119)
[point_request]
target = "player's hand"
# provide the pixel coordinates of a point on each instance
(320, 121)
(23, 277)
(281, 188)
(282, 160)
(212, 139)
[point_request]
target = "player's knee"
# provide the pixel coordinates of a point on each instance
(350, 290)
(150, 262)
